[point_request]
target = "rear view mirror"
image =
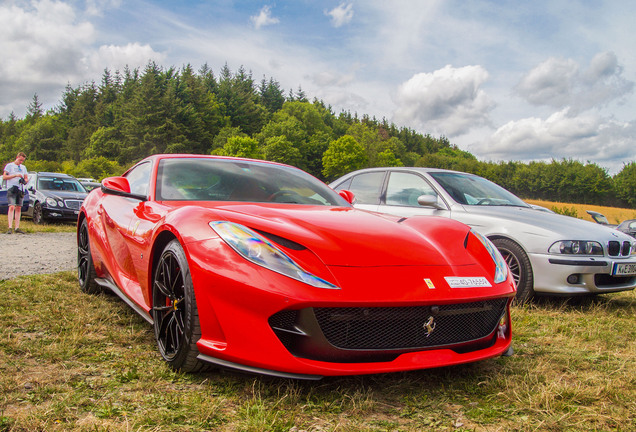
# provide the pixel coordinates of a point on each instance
(347, 195)
(119, 186)
(429, 201)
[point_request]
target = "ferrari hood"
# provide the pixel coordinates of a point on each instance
(349, 237)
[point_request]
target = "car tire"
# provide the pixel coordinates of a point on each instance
(520, 268)
(86, 274)
(174, 312)
(37, 213)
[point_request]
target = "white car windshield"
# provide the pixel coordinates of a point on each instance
(470, 189)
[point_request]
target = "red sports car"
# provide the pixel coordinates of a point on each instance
(260, 266)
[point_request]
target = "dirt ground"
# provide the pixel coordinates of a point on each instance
(36, 253)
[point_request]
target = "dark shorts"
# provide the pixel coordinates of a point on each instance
(13, 198)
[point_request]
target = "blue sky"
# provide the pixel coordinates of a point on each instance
(505, 80)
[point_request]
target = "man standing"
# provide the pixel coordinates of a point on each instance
(16, 176)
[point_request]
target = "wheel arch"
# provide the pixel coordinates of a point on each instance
(161, 241)
(492, 237)
(525, 285)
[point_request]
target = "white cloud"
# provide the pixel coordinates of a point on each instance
(264, 18)
(563, 135)
(116, 57)
(449, 101)
(561, 83)
(341, 15)
(41, 42)
(45, 45)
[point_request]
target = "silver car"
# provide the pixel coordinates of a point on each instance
(547, 253)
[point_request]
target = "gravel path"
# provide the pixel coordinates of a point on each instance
(37, 253)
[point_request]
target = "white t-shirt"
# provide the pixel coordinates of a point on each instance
(12, 168)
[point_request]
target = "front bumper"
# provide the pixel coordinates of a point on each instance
(562, 275)
(57, 213)
(257, 320)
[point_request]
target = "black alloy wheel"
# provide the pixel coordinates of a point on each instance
(520, 268)
(86, 274)
(174, 311)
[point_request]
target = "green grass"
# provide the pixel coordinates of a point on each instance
(76, 362)
(29, 227)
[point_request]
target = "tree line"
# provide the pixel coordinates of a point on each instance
(98, 130)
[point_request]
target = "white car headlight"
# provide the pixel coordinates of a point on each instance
(257, 249)
(51, 202)
(501, 268)
(576, 247)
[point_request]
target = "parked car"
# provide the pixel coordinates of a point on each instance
(628, 227)
(54, 197)
(90, 185)
(4, 204)
(547, 253)
(600, 218)
(261, 267)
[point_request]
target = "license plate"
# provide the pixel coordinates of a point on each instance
(624, 269)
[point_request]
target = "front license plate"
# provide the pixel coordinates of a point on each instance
(624, 269)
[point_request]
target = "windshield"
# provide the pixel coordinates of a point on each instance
(201, 179)
(470, 189)
(60, 184)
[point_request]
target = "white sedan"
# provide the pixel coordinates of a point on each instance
(547, 253)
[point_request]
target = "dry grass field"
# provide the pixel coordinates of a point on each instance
(615, 215)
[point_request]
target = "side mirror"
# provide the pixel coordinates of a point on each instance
(119, 186)
(31, 189)
(347, 195)
(429, 201)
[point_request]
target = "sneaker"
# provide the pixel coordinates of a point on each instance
(19, 231)
(10, 231)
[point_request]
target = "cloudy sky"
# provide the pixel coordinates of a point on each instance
(503, 79)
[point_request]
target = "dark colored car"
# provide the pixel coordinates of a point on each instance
(628, 227)
(4, 205)
(54, 197)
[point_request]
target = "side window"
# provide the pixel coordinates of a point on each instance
(404, 189)
(367, 187)
(139, 179)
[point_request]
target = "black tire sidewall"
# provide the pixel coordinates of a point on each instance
(37, 213)
(185, 359)
(525, 287)
(88, 285)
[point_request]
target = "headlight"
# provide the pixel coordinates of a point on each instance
(51, 202)
(576, 247)
(257, 249)
(501, 268)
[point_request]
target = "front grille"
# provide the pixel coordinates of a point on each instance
(603, 280)
(627, 249)
(73, 204)
(615, 248)
(382, 333)
(405, 327)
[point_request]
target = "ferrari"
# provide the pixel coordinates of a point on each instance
(261, 267)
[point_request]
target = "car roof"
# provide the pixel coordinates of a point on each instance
(46, 173)
(416, 169)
